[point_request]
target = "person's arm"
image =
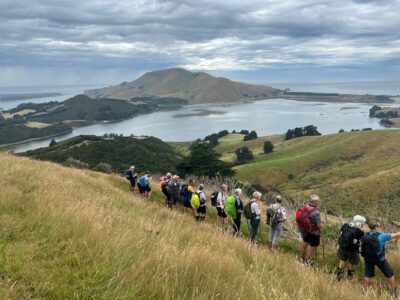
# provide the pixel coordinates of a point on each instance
(318, 221)
(284, 215)
(395, 235)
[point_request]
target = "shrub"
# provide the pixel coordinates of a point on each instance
(75, 163)
(268, 147)
(244, 154)
(103, 167)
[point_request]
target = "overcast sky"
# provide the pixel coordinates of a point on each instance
(52, 42)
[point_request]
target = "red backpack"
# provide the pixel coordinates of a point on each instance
(303, 219)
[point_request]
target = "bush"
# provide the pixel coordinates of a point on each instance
(309, 130)
(103, 167)
(251, 136)
(75, 163)
(244, 154)
(52, 142)
(268, 147)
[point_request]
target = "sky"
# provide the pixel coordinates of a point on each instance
(64, 42)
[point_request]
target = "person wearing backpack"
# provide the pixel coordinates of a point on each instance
(373, 251)
(221, 199)
(239, 210)
(144, 185)
(186, 191)
(348, 246)
(309, 223)
(276, 215)
(173, 191)
(164, 180)
(131, 175)
(201, 211)
(255, 209)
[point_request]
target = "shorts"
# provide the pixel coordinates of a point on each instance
(146, 188)
(351, 256)
(140, 188)
(382, 265)
(221, 213)
(174, 199)
(202, 210)
(187, 204)
(312, 239)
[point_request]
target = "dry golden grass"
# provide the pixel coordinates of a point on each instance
(72, 234)
(18, 113)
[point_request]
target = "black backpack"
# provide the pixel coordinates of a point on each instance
(273, 216)
(370, 247)
(214, 198)
(347, 239)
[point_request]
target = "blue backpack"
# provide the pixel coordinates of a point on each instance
(143, 181)
(186, 195)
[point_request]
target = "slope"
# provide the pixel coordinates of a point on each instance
(349, 170)
(180, 83)
(72, 234)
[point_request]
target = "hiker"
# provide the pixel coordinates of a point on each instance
(173, 191)
(276, 215)
(186, 191)
(373, 251)
(144, 185)
(131, 175)
(164, 180)
(255, 208)
(221, 199)
(239, 210)
(201, 211)
(309, 223)
(349, 245)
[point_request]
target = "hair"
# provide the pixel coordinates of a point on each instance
(223, 186)
(169, 175)
(314, 198)
(175, 177)
(278, 198)
(132, 167)
(238, 192)
(200, 187)
(191, 180)
(373, 224)
(257, 195)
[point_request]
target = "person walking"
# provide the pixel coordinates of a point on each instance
(131, 175)
(309, 223)
(276, 216)
(255, 208)
(373, 251)
(173, 191)
(348, 246)
(221, 199)
(186, 191)
(144, 185)
(164, 180)
(201, 211)
(239, 210)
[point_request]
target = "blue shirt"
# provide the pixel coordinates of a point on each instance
(382, 239)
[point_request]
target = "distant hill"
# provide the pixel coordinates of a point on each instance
(146, 153)
(180, 83)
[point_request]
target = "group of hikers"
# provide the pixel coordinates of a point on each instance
(352, 241)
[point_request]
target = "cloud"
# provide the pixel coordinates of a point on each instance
(210, 35)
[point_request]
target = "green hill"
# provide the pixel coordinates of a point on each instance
(146, 153)
(73, 234)
(352, 172)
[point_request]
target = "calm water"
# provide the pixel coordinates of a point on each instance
(265, 117)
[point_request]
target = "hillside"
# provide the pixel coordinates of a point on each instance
(179, 83)
(146, 153)
(72, 234)
(353, 172)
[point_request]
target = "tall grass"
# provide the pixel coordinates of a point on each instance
(72, 234)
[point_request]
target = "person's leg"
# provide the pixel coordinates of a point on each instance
(310, 254)
(270, 236)
(277, 234)
(303, 250)
(369, 273)
(238, 222)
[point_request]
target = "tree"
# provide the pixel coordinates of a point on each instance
(223, 133)
(268, 147)
(212, 138)
(250, 136)
(203, 161)
(52, 142)
(244, 154)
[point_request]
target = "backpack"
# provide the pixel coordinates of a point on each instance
(186, 195)
(347, 238)
(143, 181)
(214, 198)
(247, 210)
(370, 247)
(303, 219)
(195, 201)
(230, 207)
(128, 174)
(273, 216)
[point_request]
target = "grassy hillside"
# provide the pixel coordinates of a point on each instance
(145, 153)
(72, 234)
(353, 172)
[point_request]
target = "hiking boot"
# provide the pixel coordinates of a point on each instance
(393, 293)
(339, 274)
(350, 274)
